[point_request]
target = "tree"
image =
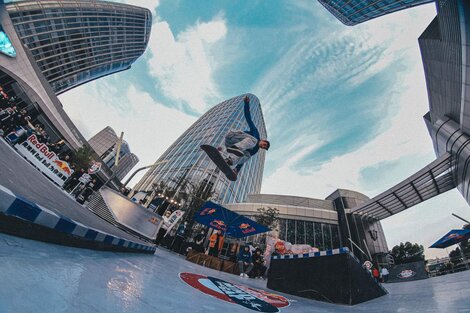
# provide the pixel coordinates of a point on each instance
(408, 252)
(267, 217)
(82, 158)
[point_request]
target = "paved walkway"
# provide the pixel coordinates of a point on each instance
(41, 277)
(24, 180)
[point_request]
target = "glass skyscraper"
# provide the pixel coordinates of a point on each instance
(53, 46)
(104, 143)
(186, 159)
(352, 12)
(74, 42)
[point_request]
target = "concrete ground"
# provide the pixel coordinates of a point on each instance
(42, 277)
(24, 180)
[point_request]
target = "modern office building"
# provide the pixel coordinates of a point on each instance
(352, 12)
(51, 46)
(185, 159)
(324, 224)
(445, 50)
(446, 59)
(104, 143)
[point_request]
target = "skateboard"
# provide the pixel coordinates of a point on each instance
(216, 157)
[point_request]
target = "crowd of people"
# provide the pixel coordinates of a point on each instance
(18, 121)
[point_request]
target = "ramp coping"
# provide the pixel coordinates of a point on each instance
(19, 207)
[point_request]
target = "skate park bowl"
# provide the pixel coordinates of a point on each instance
(334, 276)
(127, 215)
(407, 272)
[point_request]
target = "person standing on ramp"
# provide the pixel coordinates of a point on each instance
(240, 146)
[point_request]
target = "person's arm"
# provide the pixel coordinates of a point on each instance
(253, 130)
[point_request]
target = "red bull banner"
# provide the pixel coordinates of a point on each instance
(45, 160)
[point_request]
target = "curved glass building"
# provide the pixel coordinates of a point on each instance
(74, 42)
(353, 12)
(52, 46)
(186, 159)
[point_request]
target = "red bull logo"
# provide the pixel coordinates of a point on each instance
(208, 211)
(246, 228)
(218, 224)
(64, 166)
(455, 236)
(33, 140)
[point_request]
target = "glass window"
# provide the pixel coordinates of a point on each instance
(326, 236)
(318, 236)
(309, 234)
(291, 231)
(335, 236)
(300, 233)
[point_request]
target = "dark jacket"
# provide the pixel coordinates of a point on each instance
(244, 256)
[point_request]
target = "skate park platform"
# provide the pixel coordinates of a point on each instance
(333, 276)
(33, 207)
(42, 277)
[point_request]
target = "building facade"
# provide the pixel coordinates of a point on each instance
(76, 42)
(445, 51)
(353, 12)
(185, 159)
(324, 224)
(54, 46)
(104, 143)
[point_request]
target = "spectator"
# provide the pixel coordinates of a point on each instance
(72, 181)
(385, 274)
(258, 264)
(375, 274)
(199, 242)
(179, 238)
(215, 243)
(245, 262)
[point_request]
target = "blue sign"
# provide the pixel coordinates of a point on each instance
(451, 238)
(229, 222)
(5, 44)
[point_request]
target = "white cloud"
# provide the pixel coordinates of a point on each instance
(183, 65)
(149, 127)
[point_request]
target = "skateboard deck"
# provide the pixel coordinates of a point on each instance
(218, 160)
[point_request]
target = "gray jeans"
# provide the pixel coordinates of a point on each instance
(241, 141)
(240, 266)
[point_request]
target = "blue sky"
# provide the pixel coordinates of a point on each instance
(343, 105)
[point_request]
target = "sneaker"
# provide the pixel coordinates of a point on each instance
(246, 275)
(242, 275)
(228, 161)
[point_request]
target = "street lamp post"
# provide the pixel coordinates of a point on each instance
(151, 167)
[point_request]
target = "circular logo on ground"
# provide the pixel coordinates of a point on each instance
(250, 298)
(406, 274)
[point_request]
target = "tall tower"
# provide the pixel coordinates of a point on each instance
(352, 12)
(104, 143)
(74, 42)
(51, 46)
(186, 159)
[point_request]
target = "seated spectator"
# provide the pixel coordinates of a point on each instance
(245, 262)
(258, 264)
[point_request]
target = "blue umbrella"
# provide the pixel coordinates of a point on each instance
(230, 223)
(451, 238)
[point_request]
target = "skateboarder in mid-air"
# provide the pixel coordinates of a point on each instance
(240, 146)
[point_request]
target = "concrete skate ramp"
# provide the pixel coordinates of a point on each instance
(337, 278)
(407, 272)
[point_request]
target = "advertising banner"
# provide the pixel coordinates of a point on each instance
(172, 220)
(45, 160)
